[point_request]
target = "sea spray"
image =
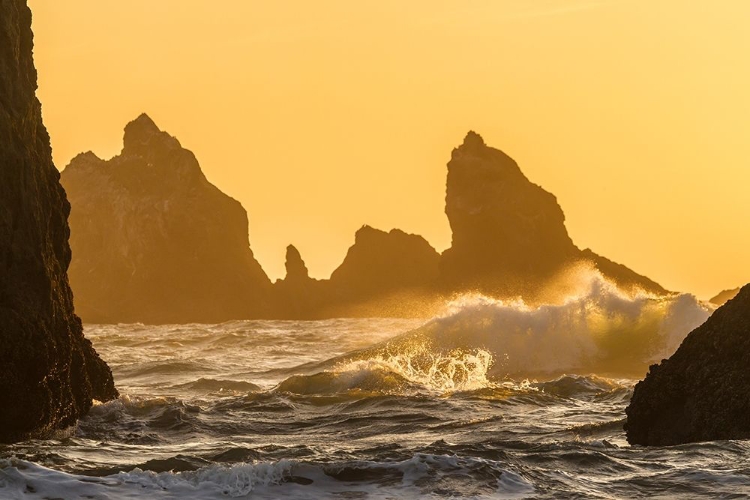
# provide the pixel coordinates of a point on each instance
(597, 329)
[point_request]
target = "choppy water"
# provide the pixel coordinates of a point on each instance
(491, 400)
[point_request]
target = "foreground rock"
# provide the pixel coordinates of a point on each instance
(49, 372)
(702, 392)
(154, 241)
(509, 234)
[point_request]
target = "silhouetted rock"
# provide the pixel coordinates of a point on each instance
(49, 373)
(509, 234)
(298, 296)
(385, 274)
(381, 262)
(296, 270)
(154, 242)
(724, 296)
(701, 392)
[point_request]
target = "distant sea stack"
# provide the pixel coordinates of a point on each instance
(701, 392)
(298, 296)
(386, 273)
(509, 234)
(383, 274)
(154, 242)
(49, 372)
(724, 296)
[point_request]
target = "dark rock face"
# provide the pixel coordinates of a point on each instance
(508, 233)
(724, 296)
(49, 372)
(154, 241)
(701, 392)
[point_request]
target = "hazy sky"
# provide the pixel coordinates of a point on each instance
(324, 116)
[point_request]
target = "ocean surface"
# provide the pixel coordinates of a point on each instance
(488, 400)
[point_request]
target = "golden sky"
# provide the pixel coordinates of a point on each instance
(324, 116)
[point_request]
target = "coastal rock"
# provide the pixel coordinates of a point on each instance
(380, 262)
(298, 296)
(50, 374)
(725, 295)
(154, 241)
(701, 392)
(509, 234)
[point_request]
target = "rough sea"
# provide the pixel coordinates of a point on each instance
(488, 400)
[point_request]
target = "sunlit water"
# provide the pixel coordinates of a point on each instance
(491, 400)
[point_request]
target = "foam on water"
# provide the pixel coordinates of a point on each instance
(598, 329)
(420, 476)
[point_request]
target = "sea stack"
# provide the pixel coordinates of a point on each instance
(298, 296)
(701, 392)
(382, 262)
(154, 241)
(509, 234)
(50, 374)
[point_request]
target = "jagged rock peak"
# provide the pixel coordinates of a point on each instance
(295, 266)
(142, 135)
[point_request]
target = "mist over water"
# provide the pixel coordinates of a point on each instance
(490, 399)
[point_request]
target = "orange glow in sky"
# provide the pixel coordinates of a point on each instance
(323, 116)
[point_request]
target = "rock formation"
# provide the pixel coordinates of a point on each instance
(383, 274)
(724, 296)
(509, 234)
(298, 296)
(154, 242)
(701, 392)
(49, 373)
(381, 262)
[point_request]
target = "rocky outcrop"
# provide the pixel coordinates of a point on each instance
(383, 274)
(154, 242)
(509, 234)
(381, 262)
(49, 372)
(724, 296)
(701, 392)
(298, 296)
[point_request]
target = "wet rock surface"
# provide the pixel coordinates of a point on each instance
(701, 392)
(49, 374)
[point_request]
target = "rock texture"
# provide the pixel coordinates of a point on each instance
(154, 242)
(509, 234)
(724, 296)
(49, 373)
(701, 392)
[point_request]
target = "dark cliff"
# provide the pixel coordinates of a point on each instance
(701, 392)
(509, 234)
(49, 373)
(154, 242)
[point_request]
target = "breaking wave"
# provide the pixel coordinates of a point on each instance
(480, 341)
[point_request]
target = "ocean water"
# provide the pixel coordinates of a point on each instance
(488, 400)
